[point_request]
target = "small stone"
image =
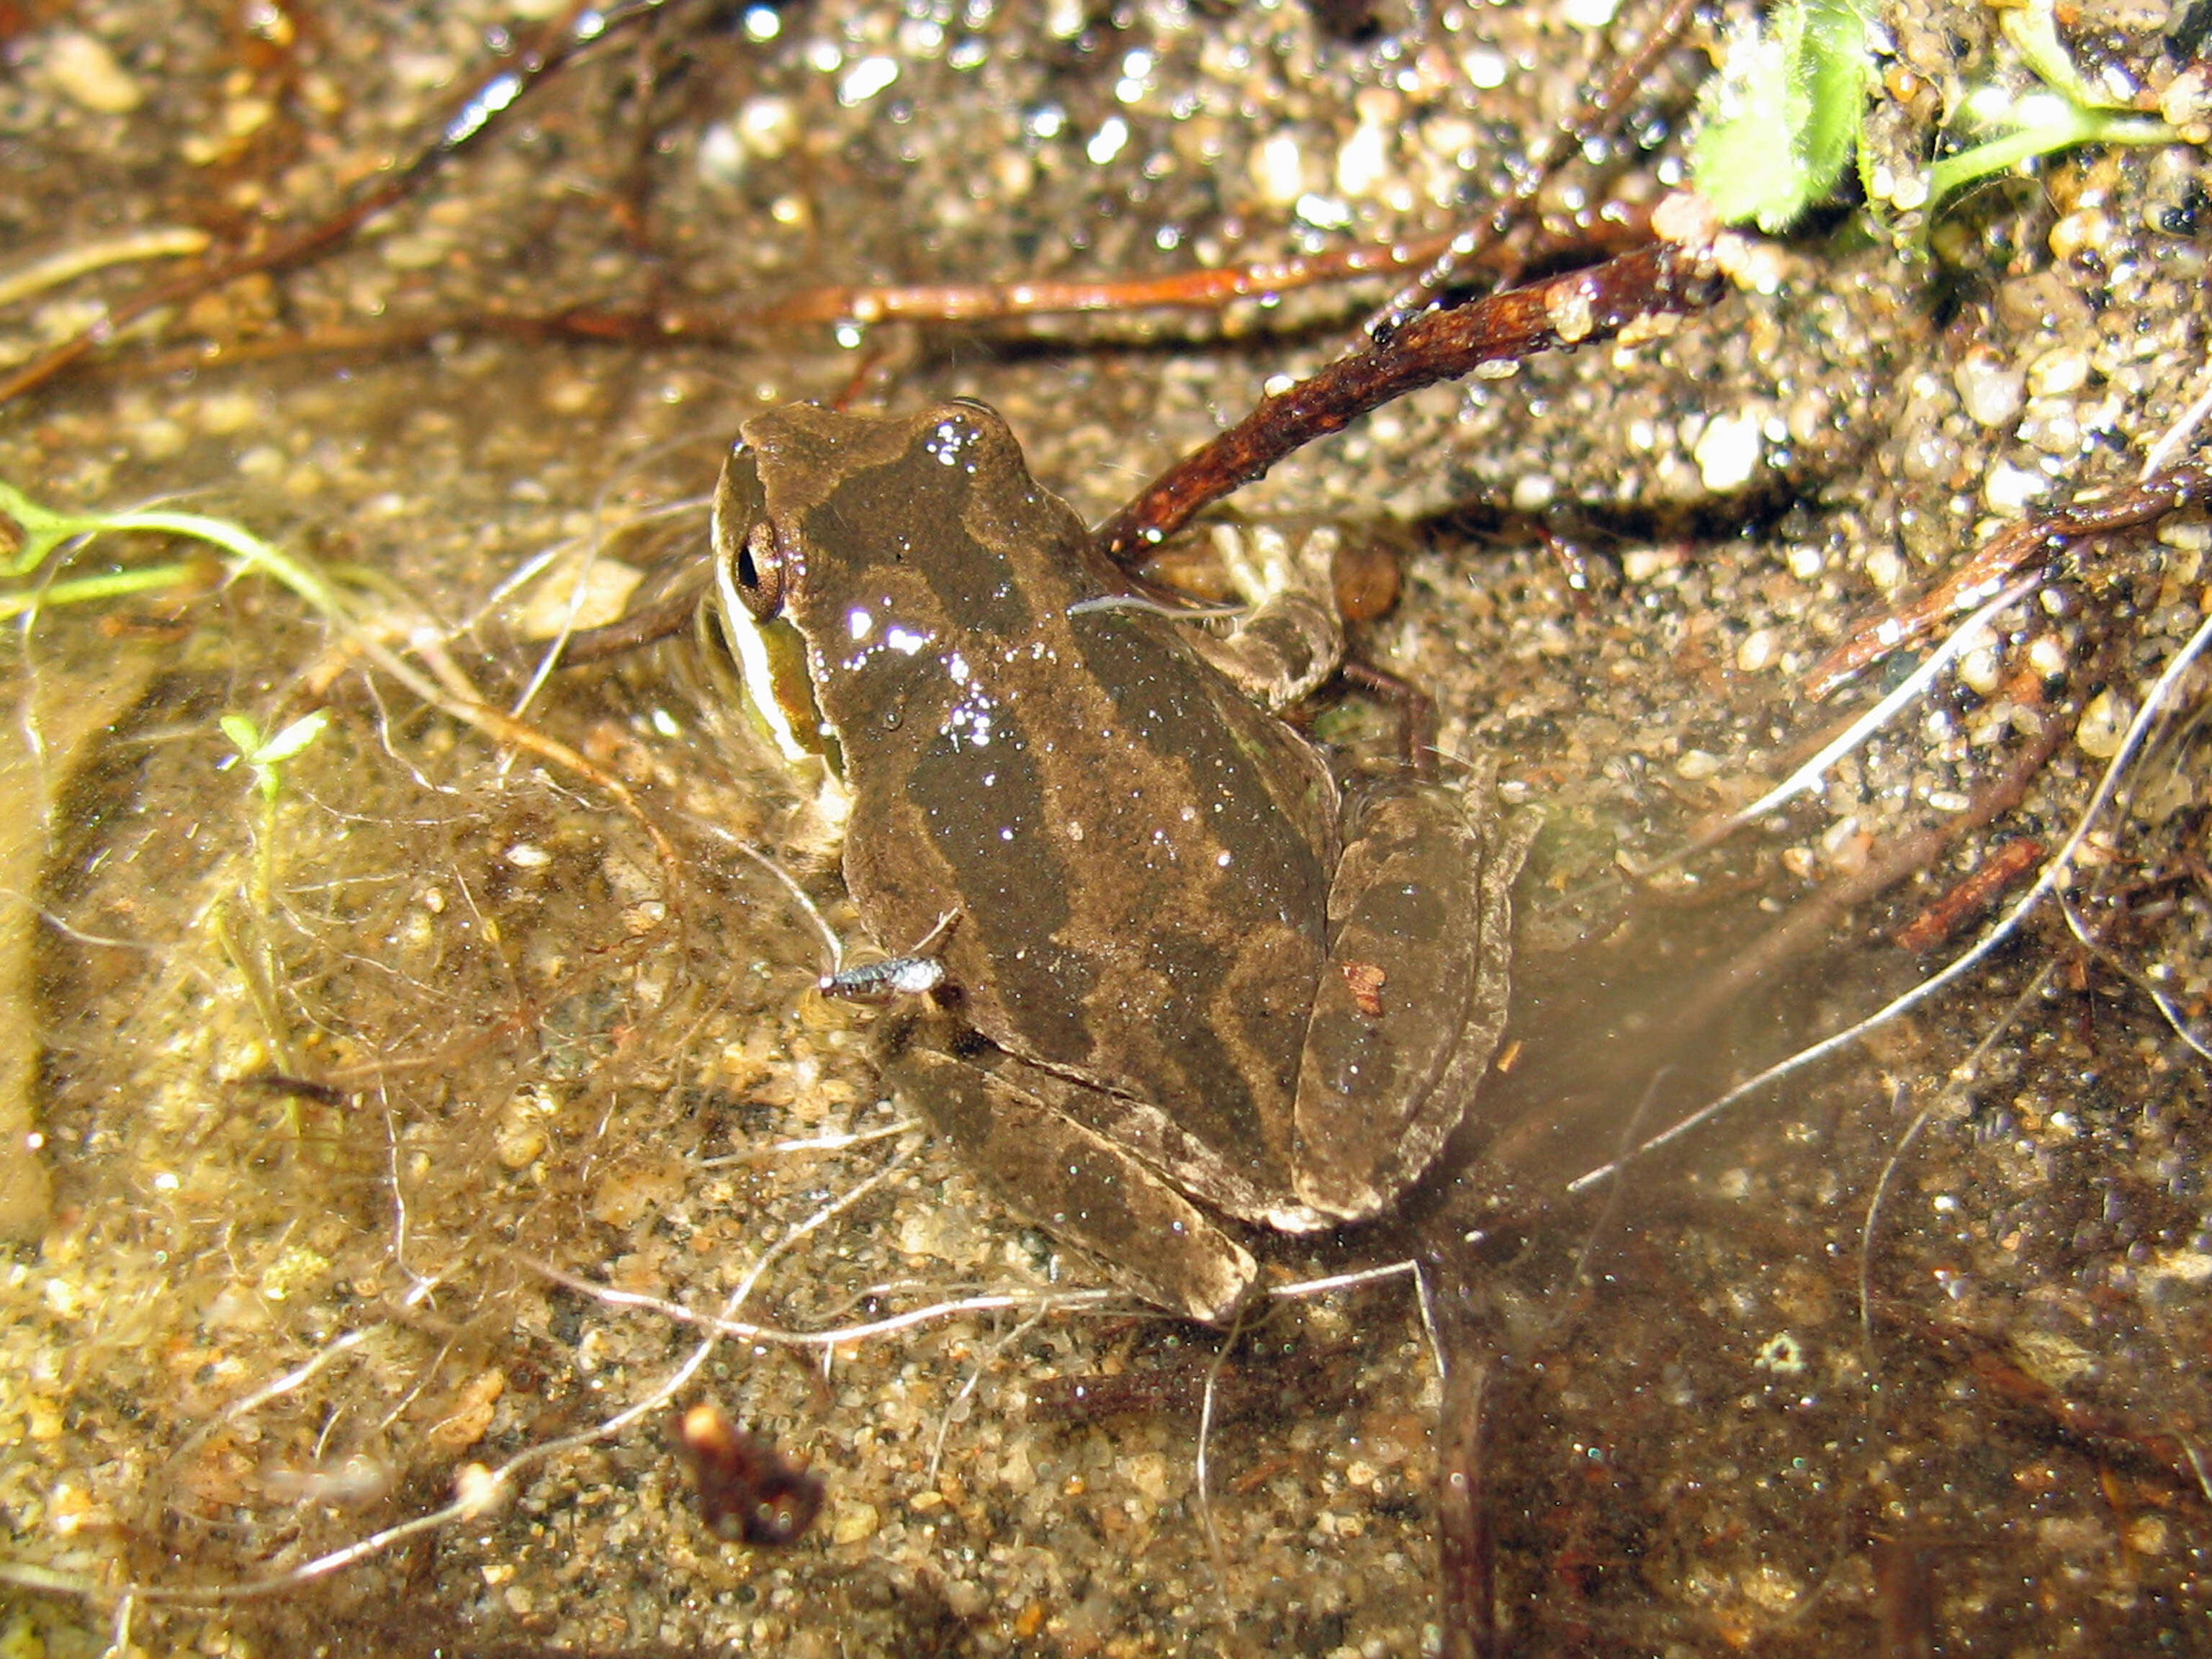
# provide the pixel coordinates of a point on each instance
(1278, 171)
(2009, 490)
(2051, 426)
(1484, 67)
(1727, 451)
(415, 250)
(769, 125)
(2186, 103)
(1978, 671)
(2085, 231)
(84, 70)
(2046, 655)
(1645, 564)
(1364, 162)
(1757, 650)
(2103, 724)
(223, 414)
(854, 1522)
(2044, 300)
(2148, 1534)
(2057, 372)
(1532, 492)
(158, 438)
(1989, 389)
(565, 393)
(1148, 1474)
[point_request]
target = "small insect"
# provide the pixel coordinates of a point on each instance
(919, 972)
(748, 1489)
(880, 982)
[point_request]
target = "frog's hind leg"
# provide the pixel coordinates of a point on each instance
(1079, 1185)
(1412, 1002)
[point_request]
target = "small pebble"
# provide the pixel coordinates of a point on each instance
(2085, 231)
(1727, 451)
(1278, 171)
(2102, 725)
(1364, 162)
(1644, 564)
(2186, 103)
(2009, 490)
(1978, 670)
(1886, 569)
(2057, 372)
(854, 1522)
(1989, 389)
(1532, 492)
(84, 70)
(415, 250)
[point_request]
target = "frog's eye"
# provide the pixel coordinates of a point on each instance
(746, 558)
(757, 573)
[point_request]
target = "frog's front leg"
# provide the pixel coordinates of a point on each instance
(1077, 1183)
(1412, 1003)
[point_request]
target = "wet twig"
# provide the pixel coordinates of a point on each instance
(1577, 309)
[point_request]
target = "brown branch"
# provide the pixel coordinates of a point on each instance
(1563, 312)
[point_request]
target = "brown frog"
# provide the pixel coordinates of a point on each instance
(1180, 976)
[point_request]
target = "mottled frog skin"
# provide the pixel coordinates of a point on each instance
(1155, 891)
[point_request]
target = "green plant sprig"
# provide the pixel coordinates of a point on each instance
(1777, 125)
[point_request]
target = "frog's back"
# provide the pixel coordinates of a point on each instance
(1137, 855)
(1139, 859)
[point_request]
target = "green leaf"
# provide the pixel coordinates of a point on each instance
(1778, 123)
(293, 739)
(245, 736)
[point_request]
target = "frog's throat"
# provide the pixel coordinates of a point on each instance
(770, 682)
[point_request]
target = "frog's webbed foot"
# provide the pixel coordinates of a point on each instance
(1077, 1183)
(1412, 1003)
(1280, 652)
(1287, 643)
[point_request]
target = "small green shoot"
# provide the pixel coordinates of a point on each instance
(266, 757)
(41, 531)
(2063, 111)
(91, 589)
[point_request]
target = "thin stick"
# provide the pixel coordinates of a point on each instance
(1577, 309)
